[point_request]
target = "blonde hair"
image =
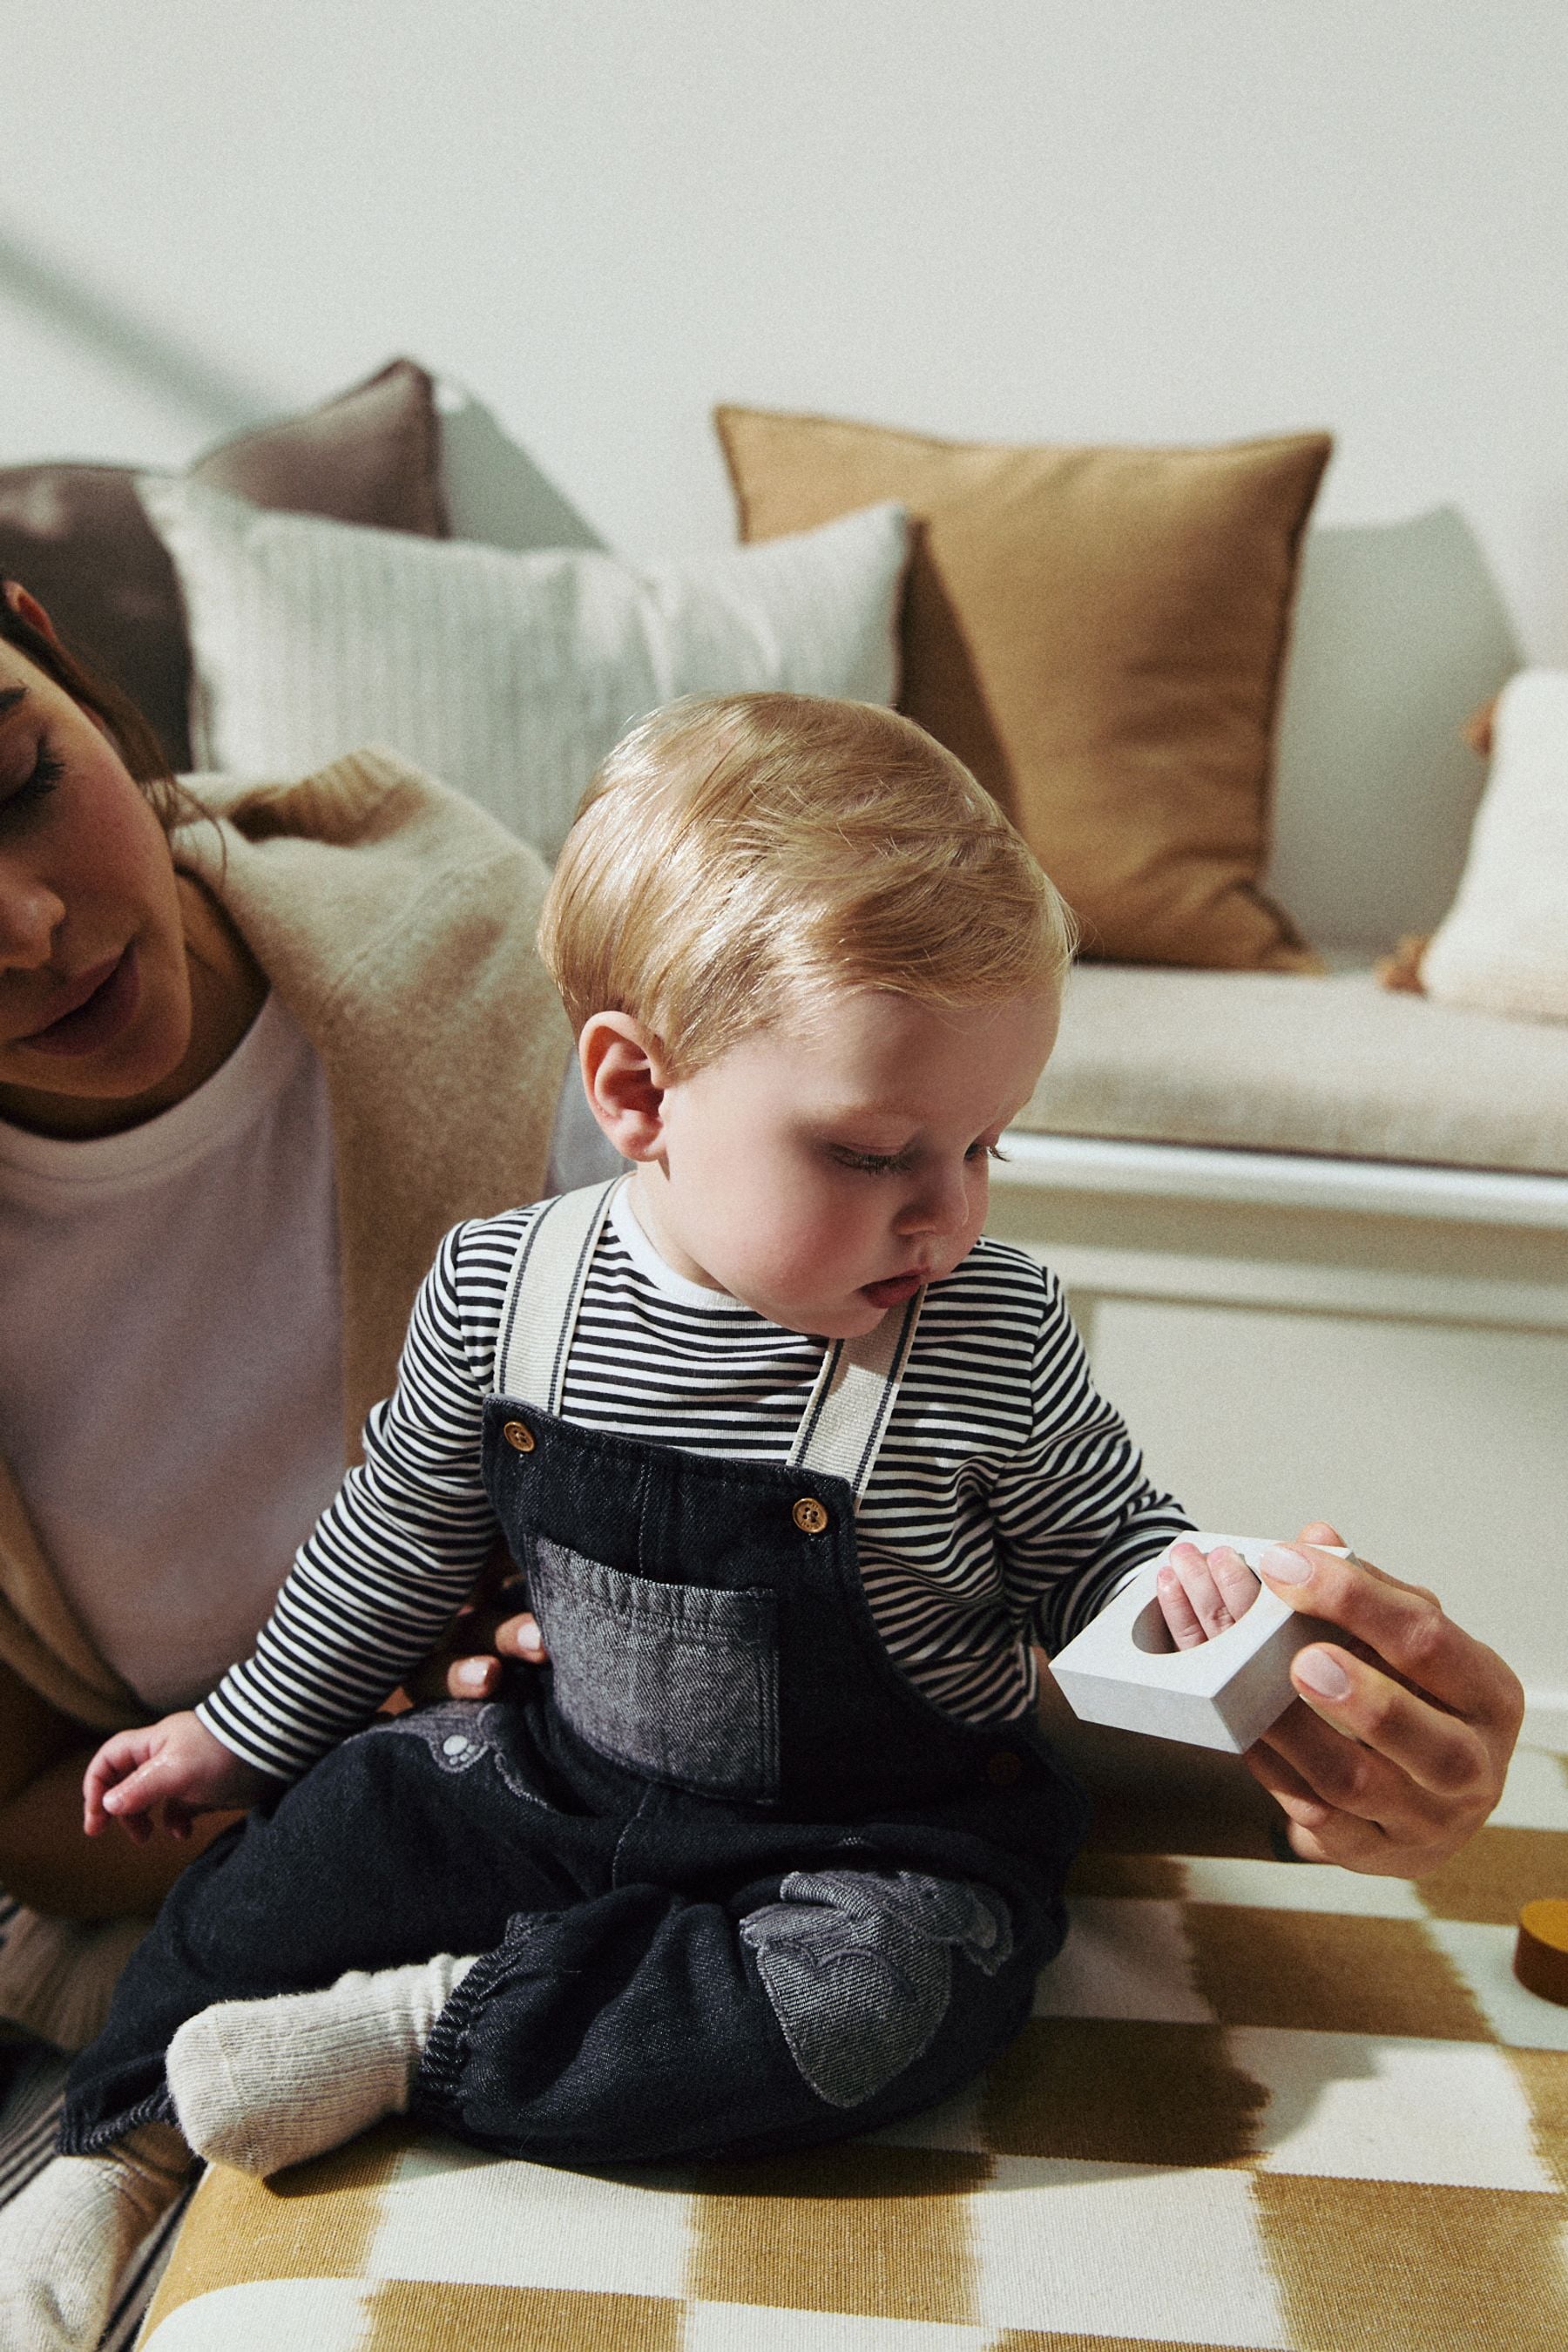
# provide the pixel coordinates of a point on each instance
(740, 858)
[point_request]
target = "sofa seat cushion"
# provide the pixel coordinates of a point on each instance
(1329, 1064)
(1247, 2110)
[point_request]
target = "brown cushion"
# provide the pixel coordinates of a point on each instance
(77, 537)
(1099, 634)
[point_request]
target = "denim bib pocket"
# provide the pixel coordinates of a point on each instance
(676, 1681)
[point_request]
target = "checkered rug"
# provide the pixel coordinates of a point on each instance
(1259, 2106)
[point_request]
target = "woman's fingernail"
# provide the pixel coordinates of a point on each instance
(1324, 1674)
(473, 1673)
(530, 1638)
(1286, 1567)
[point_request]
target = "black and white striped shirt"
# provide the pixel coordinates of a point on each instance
(1007, 1504)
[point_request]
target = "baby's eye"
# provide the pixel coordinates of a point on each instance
(868, 1164)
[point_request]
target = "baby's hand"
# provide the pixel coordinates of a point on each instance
(1199, 1597)
(176, 1763)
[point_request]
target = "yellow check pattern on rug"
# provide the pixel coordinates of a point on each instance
(1259, 2106)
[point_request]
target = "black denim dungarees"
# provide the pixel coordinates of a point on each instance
(738, 1886)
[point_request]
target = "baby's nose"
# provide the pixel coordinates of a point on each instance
(940, 1206)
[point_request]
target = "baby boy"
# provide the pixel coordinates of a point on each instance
(797, 1466)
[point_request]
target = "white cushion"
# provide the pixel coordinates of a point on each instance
(507, 674)
(1503, 946)
(1399, 634)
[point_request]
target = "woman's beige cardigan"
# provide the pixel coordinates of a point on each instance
(396, 920)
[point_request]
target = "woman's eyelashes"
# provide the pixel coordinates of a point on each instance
(46, 769)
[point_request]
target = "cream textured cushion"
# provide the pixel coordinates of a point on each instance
(509, 675)
(1503, 945)
(1334, 1064)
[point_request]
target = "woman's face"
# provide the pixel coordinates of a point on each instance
(95, 996)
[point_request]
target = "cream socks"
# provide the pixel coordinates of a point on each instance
(257, 2084)
(67, 2239)
(260, 2085)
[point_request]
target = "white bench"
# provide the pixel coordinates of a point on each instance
(1292, 1338)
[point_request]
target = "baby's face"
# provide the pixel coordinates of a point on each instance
(822, 1175)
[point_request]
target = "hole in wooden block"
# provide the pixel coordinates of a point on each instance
(1154, 1637)
(1149, 1631)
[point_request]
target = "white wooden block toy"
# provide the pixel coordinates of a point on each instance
(1123, 1669)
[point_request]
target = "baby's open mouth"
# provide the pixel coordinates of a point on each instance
(896, 1288)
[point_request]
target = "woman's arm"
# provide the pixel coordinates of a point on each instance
(46, 1860)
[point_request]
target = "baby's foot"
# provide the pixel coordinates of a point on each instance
(66, 2239)
(260, 2085)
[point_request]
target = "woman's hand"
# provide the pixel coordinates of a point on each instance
(177, 1764)
(462, 1669)
(470, 1661)
(1398, 1750)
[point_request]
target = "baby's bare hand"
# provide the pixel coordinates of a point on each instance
(177, 1764)
(1200, 1597)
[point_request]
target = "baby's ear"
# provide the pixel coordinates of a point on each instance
(623, 1077)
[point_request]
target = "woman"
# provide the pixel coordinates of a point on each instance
(259, 1046)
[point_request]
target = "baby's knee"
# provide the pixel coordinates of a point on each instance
(858, 1969)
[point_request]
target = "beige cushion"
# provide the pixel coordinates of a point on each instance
(1328, 1065)
(1503, 945)
(1099, 634)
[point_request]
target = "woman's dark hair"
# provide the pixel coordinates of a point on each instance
(134, 739)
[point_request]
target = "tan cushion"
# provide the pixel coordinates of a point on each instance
(1099, 634)
(1329, 1065)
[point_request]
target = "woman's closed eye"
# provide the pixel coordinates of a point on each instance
(35, 786)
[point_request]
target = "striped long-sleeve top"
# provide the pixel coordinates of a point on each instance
(1008, 1504)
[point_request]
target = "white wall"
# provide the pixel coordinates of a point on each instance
(1096, 219)
(1032, 218)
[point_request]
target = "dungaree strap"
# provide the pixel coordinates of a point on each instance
(544, 1294)
(845, 1421)
(842, 1428)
